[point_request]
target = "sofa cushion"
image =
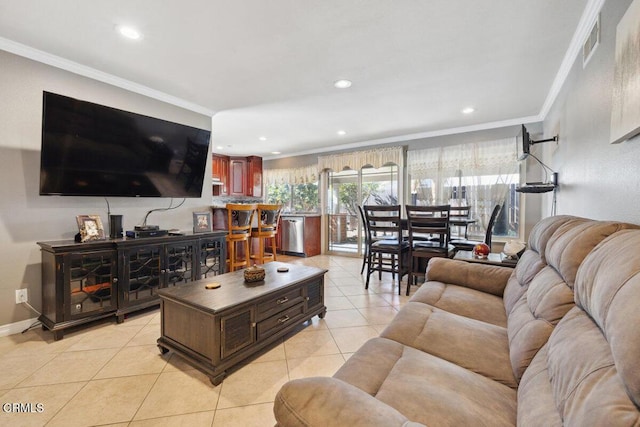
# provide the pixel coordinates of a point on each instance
(460, 299)
(534, 258)
(428, 389)
(475, 345)
(478, 291)
(587, 374)
(549, 295)
(329, 402)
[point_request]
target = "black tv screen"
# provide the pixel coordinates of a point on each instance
(525, 144)
(94, 150)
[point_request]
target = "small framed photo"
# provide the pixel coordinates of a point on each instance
(90, 227)
(202, 222)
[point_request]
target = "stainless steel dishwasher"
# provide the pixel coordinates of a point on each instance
(292, 235)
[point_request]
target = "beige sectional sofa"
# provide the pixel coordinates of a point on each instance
(554, 341)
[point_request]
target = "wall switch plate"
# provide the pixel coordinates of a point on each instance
(22, 295)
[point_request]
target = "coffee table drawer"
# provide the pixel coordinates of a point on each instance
(279, 302)
(275, 323)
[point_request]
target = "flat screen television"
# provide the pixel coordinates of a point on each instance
(94, 150)
(525, 144)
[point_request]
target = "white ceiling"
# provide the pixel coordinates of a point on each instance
(266, 68)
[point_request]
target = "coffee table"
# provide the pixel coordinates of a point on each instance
(216, 329)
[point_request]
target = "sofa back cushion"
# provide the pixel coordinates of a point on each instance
(533, 259)
(549, 295)
(587, 374)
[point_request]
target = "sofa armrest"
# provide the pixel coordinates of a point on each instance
(482, 277)
(326, 402)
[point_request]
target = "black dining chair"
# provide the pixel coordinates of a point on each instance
(468, 245)
(429, 236)
(458, 217)
(389, 253)
(365, 249)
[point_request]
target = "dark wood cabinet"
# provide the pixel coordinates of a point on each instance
(236, 176)
(82, 282)
(220, 174)
(254, 176)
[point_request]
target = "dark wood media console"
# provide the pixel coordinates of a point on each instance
(82, 282)
(215, 329)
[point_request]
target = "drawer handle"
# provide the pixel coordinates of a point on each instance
(282, 300)
(283, 319)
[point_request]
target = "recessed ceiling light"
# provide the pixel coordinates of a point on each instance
(262, 138)
(275, 152)
(129, 32)
(220, 147)
(341, 133)
(342, 84)
(468, 110)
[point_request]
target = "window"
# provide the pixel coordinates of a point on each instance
(480, 175)
(295, 197)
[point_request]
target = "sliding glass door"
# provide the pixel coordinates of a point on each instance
(349, 189)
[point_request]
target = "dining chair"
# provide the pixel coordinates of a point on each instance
(468, 245)
(239, 220)
(267, 229)
(388, 254)
(429, 236)
(365, 249)
(459, 216)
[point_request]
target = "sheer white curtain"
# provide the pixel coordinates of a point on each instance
(292, 176)
(476, 174)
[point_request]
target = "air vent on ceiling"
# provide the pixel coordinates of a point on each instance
(592, 42)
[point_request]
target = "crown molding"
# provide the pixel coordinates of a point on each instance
(412, 136)
(92, 73)
(587, 20)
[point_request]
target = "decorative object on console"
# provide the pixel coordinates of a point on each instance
(481, 250)
(626, 92)
(202, 222)
(90, 227)
(254, 274)
(115, 226)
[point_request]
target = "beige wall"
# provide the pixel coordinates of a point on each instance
(26, 217)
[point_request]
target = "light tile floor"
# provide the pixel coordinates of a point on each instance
(113, 375)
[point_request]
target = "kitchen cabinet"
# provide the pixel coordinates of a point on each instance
(254, 176)
(220, 175)
(236, 176)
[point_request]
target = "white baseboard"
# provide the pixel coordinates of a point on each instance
(17, 327)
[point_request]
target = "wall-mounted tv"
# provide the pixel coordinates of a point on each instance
(525, 144)
(94, 150)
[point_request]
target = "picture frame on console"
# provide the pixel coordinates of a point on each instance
(90, 228)
(202, 222)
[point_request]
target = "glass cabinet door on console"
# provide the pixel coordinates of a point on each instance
(140, 274)
(145, 269)
(212, 259)
(179, 263)
(91, 277)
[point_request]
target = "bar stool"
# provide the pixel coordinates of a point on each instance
(268, 216)
(239, 219)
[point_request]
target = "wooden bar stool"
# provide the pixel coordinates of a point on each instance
(239, 219)
(267, 229)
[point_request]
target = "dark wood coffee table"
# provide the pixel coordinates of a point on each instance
(215, 329)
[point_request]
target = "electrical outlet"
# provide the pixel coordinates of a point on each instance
(21, 296)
